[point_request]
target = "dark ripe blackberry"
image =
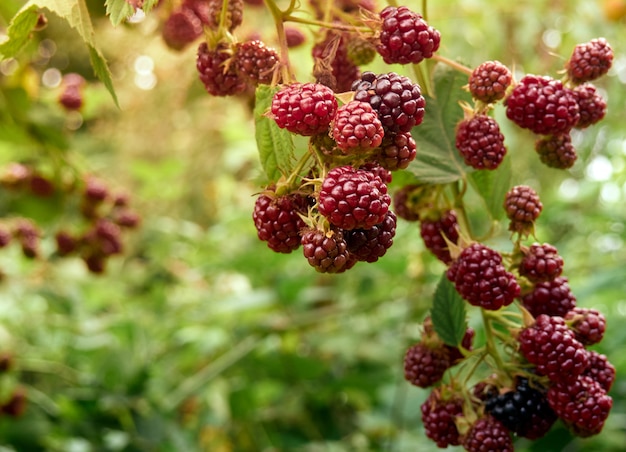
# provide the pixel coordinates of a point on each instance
(588, 324)
(542, 105)
(522, 206)
(591, 104)
(600, 369)
(356, 127)
(333, 67)
(405, 37)
(438, 417)
(353, 199)
(556, 151)
(488, 434)
(581, 403)
(370, 244)
(480, 142)
(589, 61)
(326, 252)
(304, 108)
(481, 279)
(553, 298)
(397, 100)
(551, 346)
(181, 28)
(425, 364)
(489, 81)
(66, 243)
(234, 14)
(396, 151)
(278, 222)
(433, 232)
(404, 202)
(219, 78)
(255, 61)
(524, 410)
(294, 36)
(541, 263)
(96, 263)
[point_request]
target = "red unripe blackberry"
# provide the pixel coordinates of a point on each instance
(104, 238)
(397, 100)
(405, 37)
(480, 142)
(278, 222)
(294, 36)
(41, 186)
(522, 206)
(481, 279)
(27, 233)
(255, 61)
(333, 67)
(433, 231)
(304, 108)
(181, 28)
(489, 81)
(581, 403)
(66, 243)
(383, 173)
(327, 252)
(219, 78)
(404, 204)
(589, 61)
(370, 244)
(488, 434)
(542, 105)
(600, 369)
(588, 324)
(541, 262)
(127, 218)
(553, 298)
(95, 190)
(551, 346)
(234, 14)
(96, 263)
(5, 236)
(353, 199)
(397, 151)
(356, 127)
(71, 98)
(438, 417)
(16, 405)
(591, 104)
(556, 151)
(425, 364)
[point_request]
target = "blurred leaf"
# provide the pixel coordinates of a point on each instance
(19, 30)
(492, 186)
(276, 147)
(119, 10)
(448, 313)
(438, 161)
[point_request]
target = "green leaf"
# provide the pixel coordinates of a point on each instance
(19, 31)
(118, 11)
(275, 145)
(448, 313)
(438, 161)
(492, 186)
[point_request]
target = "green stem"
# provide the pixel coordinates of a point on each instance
(321, 23)
(422, 79)
(459, 207)
(491, 345)
(453, 64)
(279, 17)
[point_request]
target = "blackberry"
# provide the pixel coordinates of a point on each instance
(360, 51)
(333, 67)
(326, 252)
(200, 8)
(41, 186)
(481, 279)
(294, 36)
(370, 244)
(425, 364)
(255, 61)
(433, 231)
(95, 190)
(405, 37)
(589, 61)
(551, 346)
(439, 414)
(588, 324)
(356, 127)
(542, 105)
(66, 243)
(524, 411)
(219, 78)
(396, 99)
(6, 362)
(71, 98)
(353, 199)
(480, 142)
(522, 206)
(600, 369)
(553, 298)
(103, 238)
(127, 218)
(5, 236)
(488, 434)
(541, 263)
(556, 151)
(278, 222)
(591, 104)
(96, 263)
(582, 404)
(304, 108)
(489, 81)
(181, 28)
(27, 233)
(396, 151)
(376, 169)
(234, 14)
(404, 202)
(16, 405)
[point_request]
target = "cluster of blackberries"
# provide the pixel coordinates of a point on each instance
(97, 236)
(12, 403)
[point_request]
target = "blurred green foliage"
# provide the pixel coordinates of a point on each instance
(200, 338)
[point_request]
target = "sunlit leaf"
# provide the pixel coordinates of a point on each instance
(119, 10)
(492, 186)
(19, 31)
